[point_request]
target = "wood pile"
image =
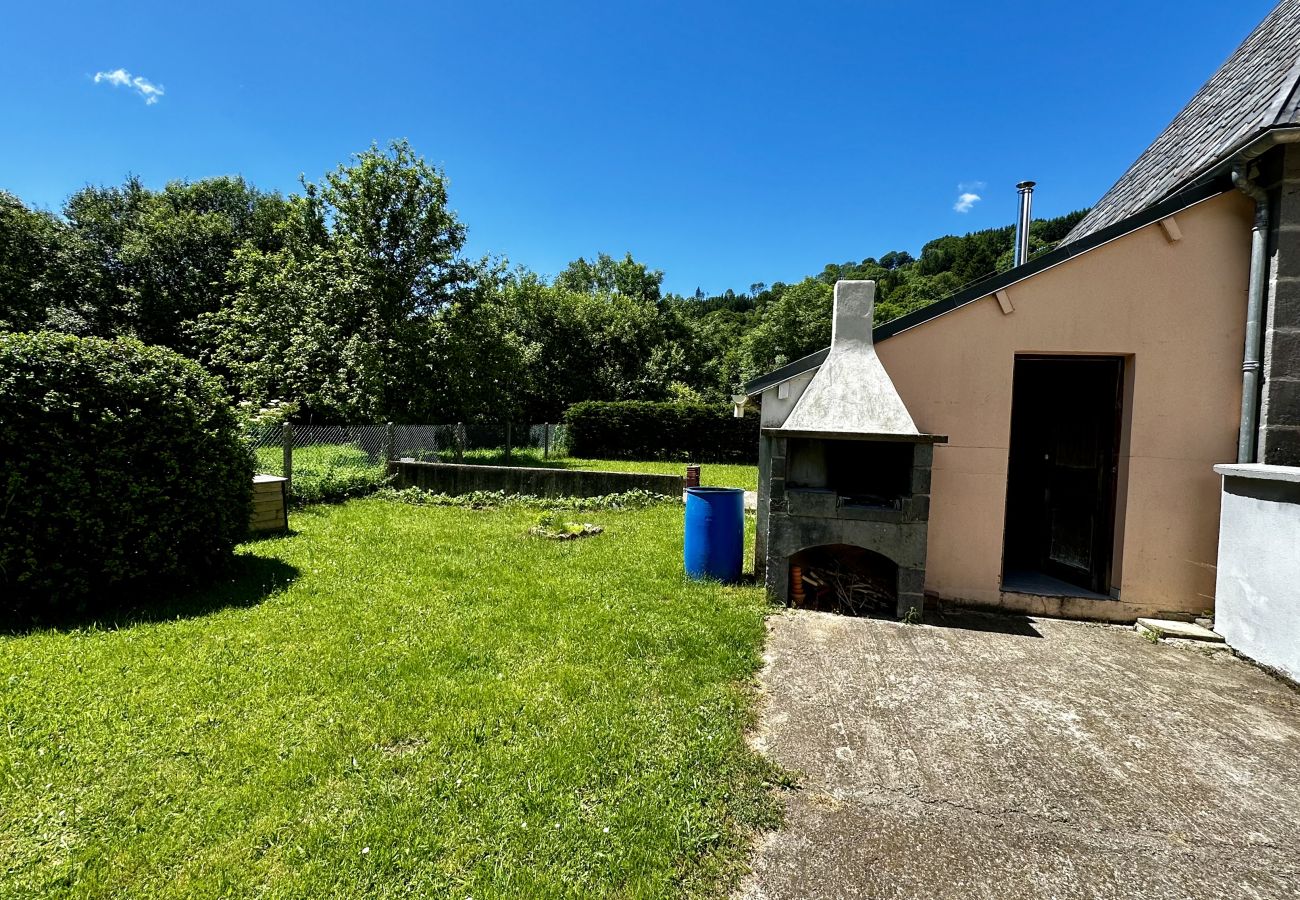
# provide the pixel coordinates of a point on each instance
(833, 587)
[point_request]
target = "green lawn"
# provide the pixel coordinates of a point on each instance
(325, 472)
(711, 474)
(396, 701)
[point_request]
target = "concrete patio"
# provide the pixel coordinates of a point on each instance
(996, 757)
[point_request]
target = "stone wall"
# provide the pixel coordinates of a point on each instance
(795, 519)
(450, 478)
(1279, 426)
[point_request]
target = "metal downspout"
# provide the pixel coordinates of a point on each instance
(1250, 383)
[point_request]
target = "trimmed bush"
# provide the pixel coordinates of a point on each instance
(123, 469)
(636, 429)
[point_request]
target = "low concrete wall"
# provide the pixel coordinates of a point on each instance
(1257, 595)
(451, 478)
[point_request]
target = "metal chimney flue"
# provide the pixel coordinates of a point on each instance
(1026, 189)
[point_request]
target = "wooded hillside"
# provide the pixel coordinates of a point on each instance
(353, 300)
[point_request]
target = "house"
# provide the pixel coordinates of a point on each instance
(1087, 395)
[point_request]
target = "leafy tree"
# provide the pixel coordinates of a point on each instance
(390, 207)
(894, 259)
(795, 325)
(352, 298)
(299, 329)
(716, 344)
(914, 292)
(585, 345)
(606, 275)
(1053, 231)
(478, 354)
(340, 319)
(151, 263)
(29, 264)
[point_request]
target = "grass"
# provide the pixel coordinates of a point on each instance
(395, 701)
(327, 472)
(711, 474)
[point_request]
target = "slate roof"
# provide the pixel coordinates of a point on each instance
(1253, 91)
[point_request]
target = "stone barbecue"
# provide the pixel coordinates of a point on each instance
(844, 479)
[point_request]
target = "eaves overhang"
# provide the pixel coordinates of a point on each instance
(1216, 182)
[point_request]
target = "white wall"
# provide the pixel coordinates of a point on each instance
(775, 408)
(1257, 607)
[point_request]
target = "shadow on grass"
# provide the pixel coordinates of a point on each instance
(270, 537)
(244, 583)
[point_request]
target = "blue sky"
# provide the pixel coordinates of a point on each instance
(725, 143)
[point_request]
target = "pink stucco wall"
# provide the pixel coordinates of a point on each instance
(1176, 310)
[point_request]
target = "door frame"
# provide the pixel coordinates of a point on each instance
(1102, 573)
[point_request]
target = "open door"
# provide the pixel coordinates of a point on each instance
(1060, 524)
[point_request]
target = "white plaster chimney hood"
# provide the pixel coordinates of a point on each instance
(851, 395)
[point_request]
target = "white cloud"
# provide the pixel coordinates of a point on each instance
(142, 86)
(968, 195)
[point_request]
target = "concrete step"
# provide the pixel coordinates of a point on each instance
(1172, 628)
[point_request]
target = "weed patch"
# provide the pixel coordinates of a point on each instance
(499, 499)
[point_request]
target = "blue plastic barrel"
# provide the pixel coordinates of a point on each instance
(715, 532)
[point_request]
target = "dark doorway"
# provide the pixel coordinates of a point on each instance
(1065, 415)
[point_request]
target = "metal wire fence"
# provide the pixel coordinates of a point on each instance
(551, 439)
(331, 461)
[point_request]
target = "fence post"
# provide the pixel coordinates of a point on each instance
(507, 438)
(286, 436)
(546, 440)
(390, 442)
(459, 440)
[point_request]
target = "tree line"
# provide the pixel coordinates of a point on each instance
(352, 300)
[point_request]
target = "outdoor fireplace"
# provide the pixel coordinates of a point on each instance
(844, 494)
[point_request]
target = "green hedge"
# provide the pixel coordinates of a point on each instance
(637, 429)
(123, 471)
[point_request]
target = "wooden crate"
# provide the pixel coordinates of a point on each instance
(270, 512)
